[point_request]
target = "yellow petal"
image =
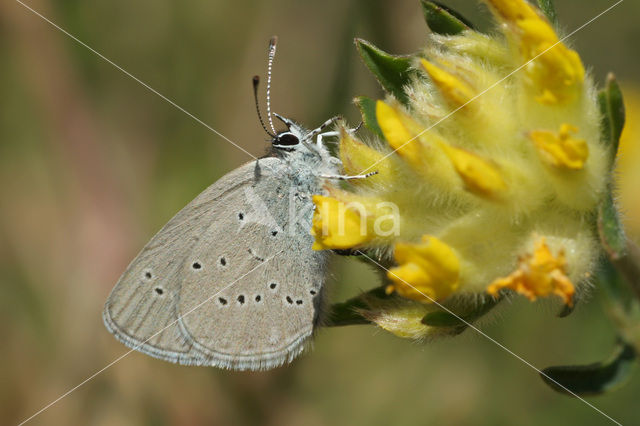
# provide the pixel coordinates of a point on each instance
(479, 175)
(557, 71)
(357, 157)
(396, 133)
(338, 225)
(539, 274)
(556, 74)
(561, 149)
(512, 10)
(452, 88)
(427, 272)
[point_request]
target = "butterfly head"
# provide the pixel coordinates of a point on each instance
(289, 139)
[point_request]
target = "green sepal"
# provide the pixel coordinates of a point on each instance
(613, 115)
(593, 379)
(392, 72)
(614, 286)
(367, 108)
(442, 319)
(347, 313)
(455, 317)
(443, 20)
(567, 309)
(610, 229)
(547, 7)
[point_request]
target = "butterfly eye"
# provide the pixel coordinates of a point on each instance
(286, 139)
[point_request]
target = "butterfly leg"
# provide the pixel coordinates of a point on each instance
(320, 130)
(320, 143)
(343, 177)
(320, 137)
(333, 134)
(319, 134)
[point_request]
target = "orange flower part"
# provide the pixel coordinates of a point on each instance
(539, 274)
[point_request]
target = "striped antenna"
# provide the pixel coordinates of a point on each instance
(256, 82)
(272, 54)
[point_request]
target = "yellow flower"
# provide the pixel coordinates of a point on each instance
(480, 176)
(395, 131)
(428, 271)
(556, 72)
(337, 225)
(522, 165)
(452, 88)
(560, 149)
(356, 157)
(539, 274)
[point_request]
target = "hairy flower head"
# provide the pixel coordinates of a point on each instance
(491, 153)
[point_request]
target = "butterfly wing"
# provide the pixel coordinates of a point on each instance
(180, 299)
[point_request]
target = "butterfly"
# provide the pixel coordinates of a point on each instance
(231, 280)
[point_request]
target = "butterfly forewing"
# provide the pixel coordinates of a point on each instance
(201, 291)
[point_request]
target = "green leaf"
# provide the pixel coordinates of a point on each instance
(547, 7)
(595, 378)
(610, 229)
(442, 20)
(368, 110)
(391, 71)
(613, 114)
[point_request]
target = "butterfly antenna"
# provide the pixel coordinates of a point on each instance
(272, 54)
(256, 82)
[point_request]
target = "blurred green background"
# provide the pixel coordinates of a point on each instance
(92, 164)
